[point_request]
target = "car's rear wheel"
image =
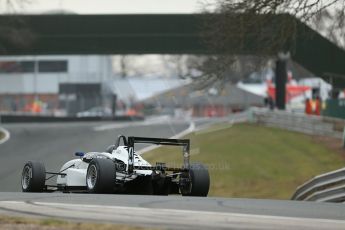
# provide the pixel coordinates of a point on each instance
(33, 177)
(100, 176)
(196, 182)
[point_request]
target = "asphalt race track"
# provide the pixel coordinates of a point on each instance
(55, 144)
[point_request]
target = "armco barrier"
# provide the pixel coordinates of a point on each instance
(328, 187)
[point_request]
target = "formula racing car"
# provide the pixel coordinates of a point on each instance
(120, 169)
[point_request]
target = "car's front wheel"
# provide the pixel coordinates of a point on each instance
(100, 176)
(33, 177)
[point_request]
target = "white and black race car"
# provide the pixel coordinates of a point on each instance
(120, 170)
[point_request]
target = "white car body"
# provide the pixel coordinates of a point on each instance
(76, 169)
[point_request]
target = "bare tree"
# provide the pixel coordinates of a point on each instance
(265, 27)
(257, 20)
(14, 31)
(220, 69)
(13, 6)
(331, 23)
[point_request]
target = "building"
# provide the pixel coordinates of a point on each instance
(215, 100)
(66, 84)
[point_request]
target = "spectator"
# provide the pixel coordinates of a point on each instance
(270, 103)
(318, 104)
(308, 106)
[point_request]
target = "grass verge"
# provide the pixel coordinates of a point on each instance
(252, 161)
(18, 223)
(2, 135)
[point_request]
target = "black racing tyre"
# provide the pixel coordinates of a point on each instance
(33, 177)
(100, 176)
(199, 179)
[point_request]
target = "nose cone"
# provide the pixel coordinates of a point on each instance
(79, 154)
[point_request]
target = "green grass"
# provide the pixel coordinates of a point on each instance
(2, 135)
(7, 222)
(252, 161)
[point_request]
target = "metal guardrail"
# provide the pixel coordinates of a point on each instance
(308, 124)
(328, 187)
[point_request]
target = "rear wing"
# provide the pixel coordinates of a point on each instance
(185, 143)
